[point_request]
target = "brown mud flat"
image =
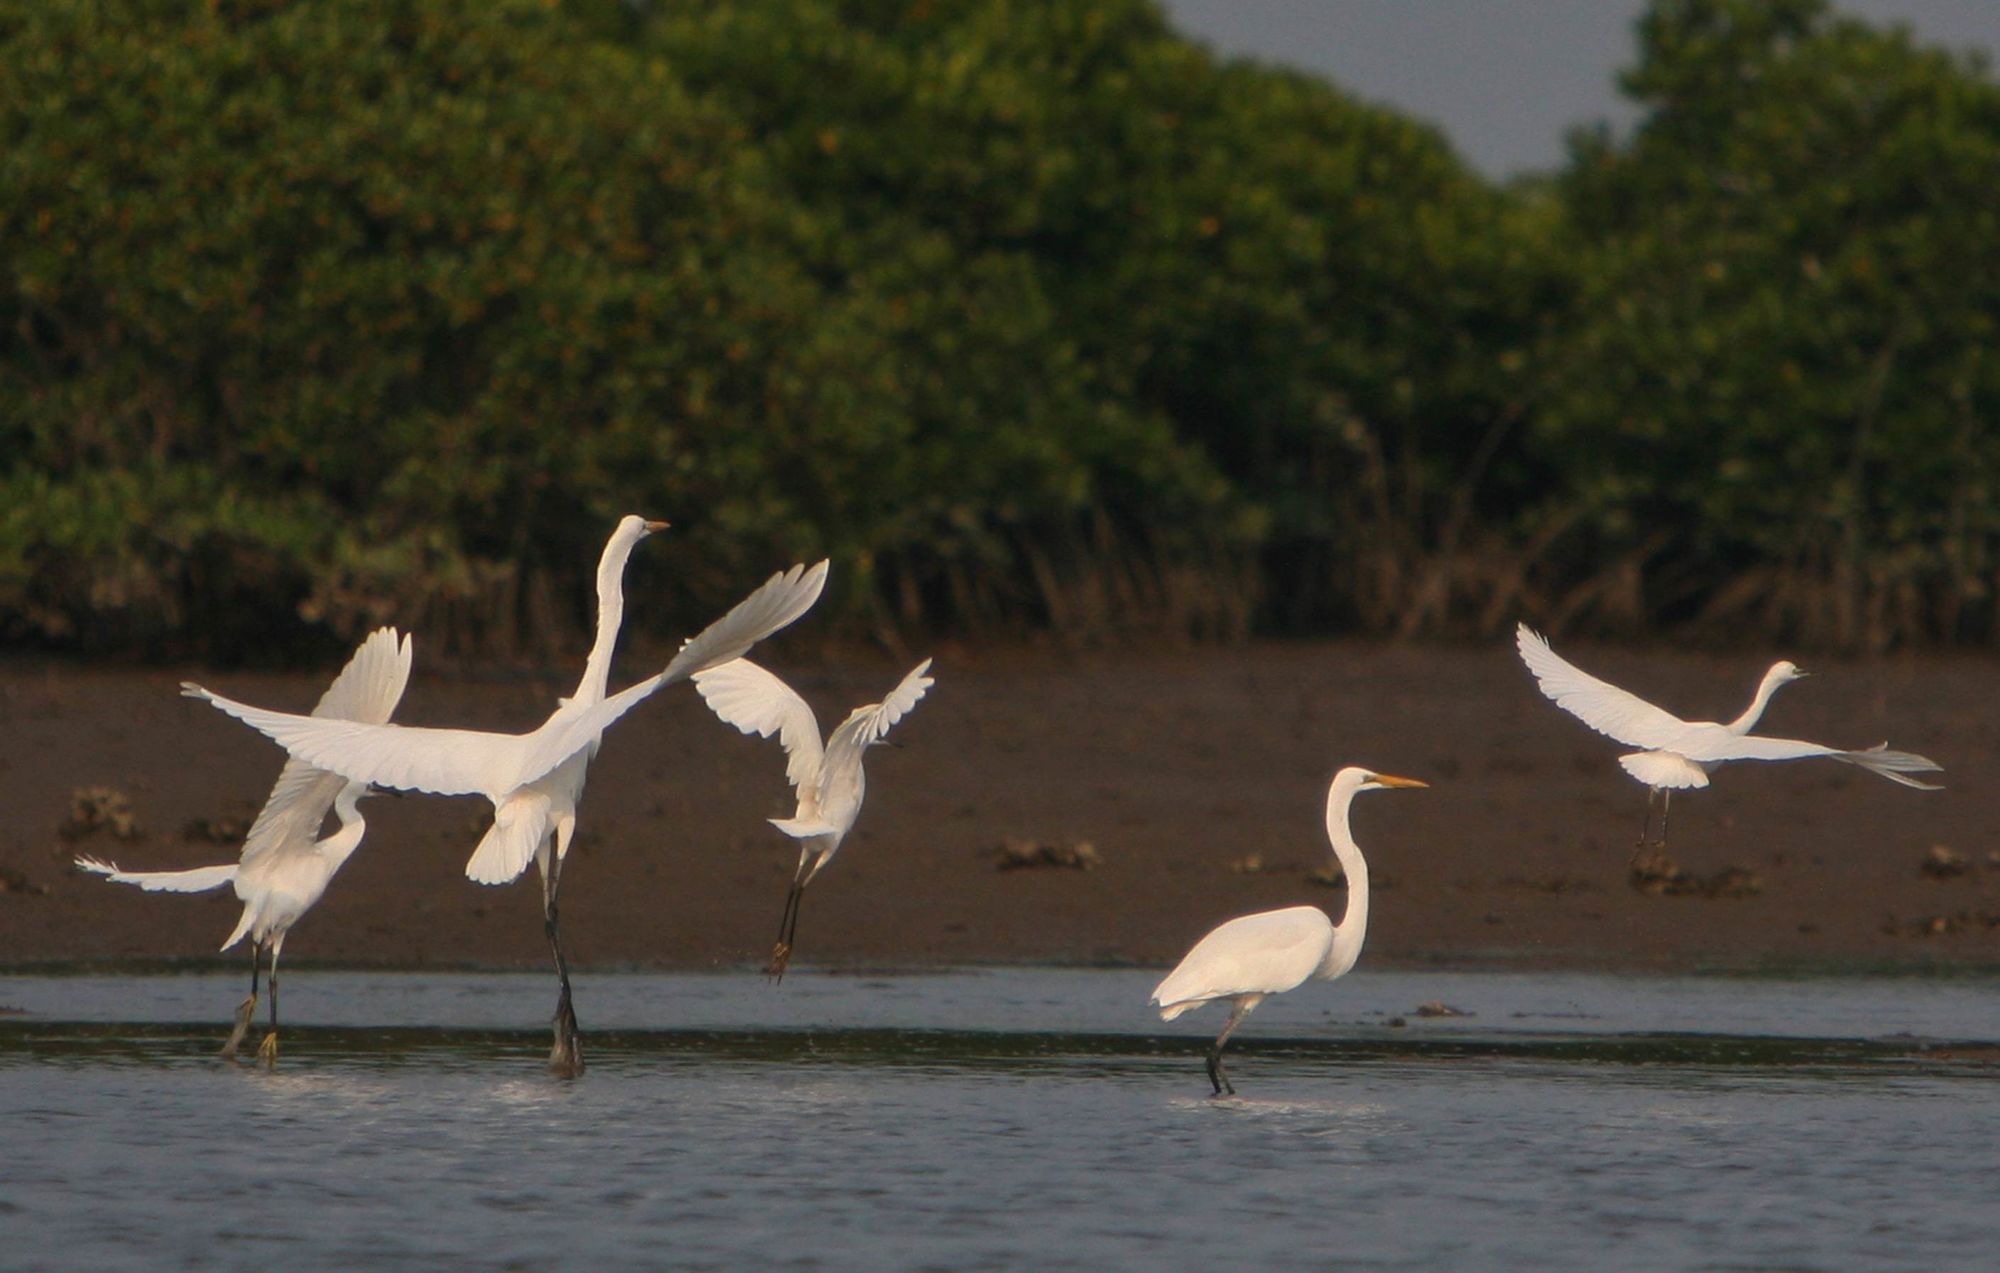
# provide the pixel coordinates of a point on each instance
(1183, 771)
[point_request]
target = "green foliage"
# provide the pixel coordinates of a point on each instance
(1031, 315)
(339, 287)
(1310, 295)
(1777, 383)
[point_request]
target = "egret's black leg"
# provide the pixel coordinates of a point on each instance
(248, 1008)
(788, 928)
(1216, 1074)
(1666, 802)
(267, 1051)
(566, 1055)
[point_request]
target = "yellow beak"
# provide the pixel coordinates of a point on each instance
(654, 528)
(1391, 780)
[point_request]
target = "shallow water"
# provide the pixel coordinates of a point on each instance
(1012, 1118)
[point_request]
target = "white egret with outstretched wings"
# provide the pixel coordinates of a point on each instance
(534, 779)
(286, 866)
(828, 780)
(1678, 755)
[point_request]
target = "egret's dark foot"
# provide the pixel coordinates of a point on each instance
(267, 1051)
(1220, 1077)
(566, 1059)
(566, 1056)
(781, 957)
(244, 1011)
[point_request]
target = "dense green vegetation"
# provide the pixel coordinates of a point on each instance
(1036, 317)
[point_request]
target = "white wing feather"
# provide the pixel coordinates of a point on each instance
(455, 762)
(367, 690)
(778, 603)
(1717, 744)
(838, 797)
(869, 724)
(1266, 953)
(445, 762)
(749, 697)
(1602, 706)
(199, 880)
(372, 683)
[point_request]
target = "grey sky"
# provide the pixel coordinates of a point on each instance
(1505, 79)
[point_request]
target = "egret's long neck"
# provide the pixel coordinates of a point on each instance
(610, 614)
(1748, 720)
(340, 846)
(1352, 929)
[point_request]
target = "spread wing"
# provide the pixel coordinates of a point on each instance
(199, 880)
(372, 683)
(1602, 706)
(778, 603)
(367, 690)
(839, 794)
(747, 696)
(865, 725)
(1718, 744)
(458, 762)
(444, 762)
(871, 724)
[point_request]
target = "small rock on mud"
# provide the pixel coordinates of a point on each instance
(1439, 1008)
(1657, 875)
(92, 809)
(1016, 854)
(1943, 862)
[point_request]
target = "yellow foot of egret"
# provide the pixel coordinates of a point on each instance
(566, 1057)
(244, 1011)
(781, 957)
(267, 1051)
(566, 1061)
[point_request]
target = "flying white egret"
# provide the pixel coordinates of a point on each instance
(1254, 956)
(1681, 754)
(533, 779)
(285, 866)
(828, 780)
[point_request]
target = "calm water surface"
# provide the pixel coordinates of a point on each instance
(1005, 1119)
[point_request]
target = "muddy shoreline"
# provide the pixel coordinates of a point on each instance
(1196, 777)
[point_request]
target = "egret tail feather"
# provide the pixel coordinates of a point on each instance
(1896, 766)
(506, 848)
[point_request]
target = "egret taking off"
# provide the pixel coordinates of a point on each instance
(828, 780)
(285, 866)
(533, 779)
(1268, 953)
(1680, 754)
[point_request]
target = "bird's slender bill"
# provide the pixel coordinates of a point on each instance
(1391, 780)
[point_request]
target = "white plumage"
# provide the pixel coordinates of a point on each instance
(285, 866)
(1679, 754)
(534, 780)
(828, 780)
(1251, 957)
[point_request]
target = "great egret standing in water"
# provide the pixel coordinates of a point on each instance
(1681, 754)
(534, 779)
(285, 867)
(1254, 956)
(828, 780)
